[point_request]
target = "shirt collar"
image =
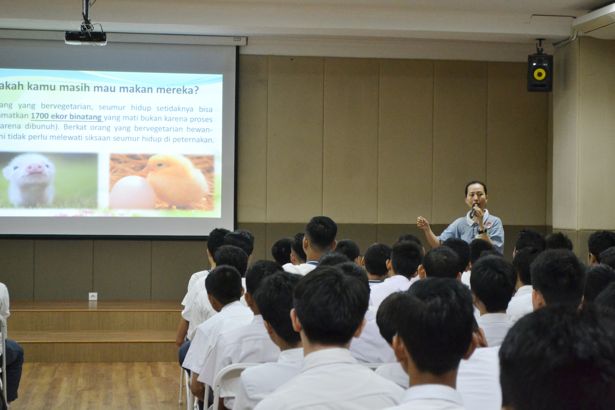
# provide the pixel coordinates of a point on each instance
(433, 392)
(494, 318)
(232, 306)
(524, 290)
(471, 222)
(327, 356)
(397, 279)
(291, 355)
(315, 263)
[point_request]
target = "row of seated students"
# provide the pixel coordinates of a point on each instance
(456, 327)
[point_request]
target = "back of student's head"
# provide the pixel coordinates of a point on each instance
(607, 257)
(436, 324)
(462, 249)
(232, 256)
(441, 262)
(477, 247)
(389, 313)
(559, 358)
(349, 248)
(597, 278)
(406, 256)
(330, 305)
(493, 282)
(522, 261)
(224, 283)
(257, 272)
(332, 258)
(409, 237)
(274, 298)
(375, 259)
(242, 239)
(606, 298)
(216, 240)
(354, 270)
(280, 250)
(529, 238)
(600, 241)
(297, 247)
(559, 276)
(557, 240)
(321, 232)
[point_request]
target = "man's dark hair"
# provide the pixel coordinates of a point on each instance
(600, 241)
(597, 278)
(274, 299)
(493, 282)
(559, 358)
(332, 258)
(472, 183)
(436, 324)
(224, 283)
(242, 239)
(606, 298)
(557, 240)
(354, 270)
(280, 250)
(216, 240)
(349, 248)
(441, 262)
(232, 256)
(462, 249)
(522, 261)
(607, 257)
(330, 305)
(321, 232)
(559, 276)
(409, 237)
(389, 314)
(477, 247)
(297, 246)
(529, 238)
(376, 257)
(259, 271)
(405, 258)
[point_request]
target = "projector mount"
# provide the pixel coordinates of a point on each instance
(88, 33)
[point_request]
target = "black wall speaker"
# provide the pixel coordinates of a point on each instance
(539, 72)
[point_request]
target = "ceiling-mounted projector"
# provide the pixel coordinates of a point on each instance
(87, 35)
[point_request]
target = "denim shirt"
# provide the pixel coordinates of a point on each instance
(465, 228)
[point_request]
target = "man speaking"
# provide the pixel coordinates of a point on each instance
(477, 223)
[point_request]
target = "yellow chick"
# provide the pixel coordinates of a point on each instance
(176, 180)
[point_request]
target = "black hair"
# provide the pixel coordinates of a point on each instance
(406, 257)
(436, 324)
(389, 313)
(376, 257)
(354, 270)
(462, 249)
(242, 239)
(216, 240)
(607, 257)
(493, 282)
(224, 283)
(606, 298)
(559, 276)
(321, 232)
(409, 237)
(232, 256)
(257, 272)
(274, 299)
(557, 240)
(559, 358)
(529, 238)
(330, 305)
(599, 241)
(297, 246)
(522, 261)
(441, 262)
(477, 247)
(332, 258)
(597, 279)
(349, 248)
(280, 250)
(472, 183)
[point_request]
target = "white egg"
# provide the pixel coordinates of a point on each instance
(132, 192)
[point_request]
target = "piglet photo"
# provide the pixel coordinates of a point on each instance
(30, 179)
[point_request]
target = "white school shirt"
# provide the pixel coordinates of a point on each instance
(431, 397)
(246, 344)
(395, 373)
(495, 326)
(332, 379)
(4, 305)
(521, 303)
(370, 346)
(478, 380)
(230, 316)
(465, 278)
(198, 308)
(395, 283)
(258, 382)
(301, 269)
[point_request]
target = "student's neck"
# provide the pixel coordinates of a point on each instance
(287, 346)
(309, 347)
(519, 284)
(375, 277)
(312, 255)
(447, 379)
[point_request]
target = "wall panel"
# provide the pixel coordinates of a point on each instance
(172, 264)
(17, 267)
(122, 269)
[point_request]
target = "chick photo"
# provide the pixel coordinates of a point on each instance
(161, 181)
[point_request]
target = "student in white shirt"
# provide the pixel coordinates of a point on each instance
(440, 262)
(350, 249)
(435, 331)
(521, 302)
(462, 250)
(558, 277)
(280, 250)
(319, 239)
(246, 344)
(406, 256)
(274, 299)
(598, 277)
(14, 352)
(224, 290)
(598, 242)
(560, 358)
(329, 307)
(375, 263)
(493, 284)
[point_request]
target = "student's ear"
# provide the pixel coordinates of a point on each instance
(295, 321)
(478, 340)
(401, 354)
(270, 331)
(214, 302)
(592, 259)
(306, 244)
(458, 276)
(210, 258)
(242, 291)
(389, 265)
(421, 271)
(334, 245)
(357, 332)
(538, 301)
(359, 261)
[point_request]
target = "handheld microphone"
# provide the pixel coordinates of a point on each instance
(473, 211)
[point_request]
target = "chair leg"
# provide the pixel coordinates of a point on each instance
(181, 385)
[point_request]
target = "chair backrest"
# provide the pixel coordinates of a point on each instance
(225, 382)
